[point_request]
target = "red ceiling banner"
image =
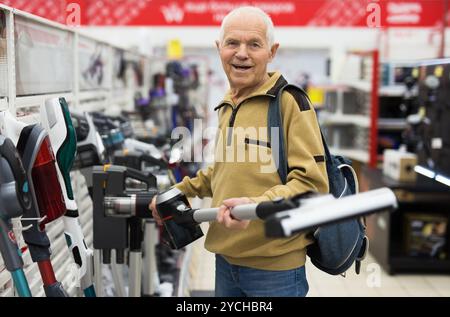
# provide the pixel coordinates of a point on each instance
(303, 13)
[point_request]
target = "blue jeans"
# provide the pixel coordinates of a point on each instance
(240, 281)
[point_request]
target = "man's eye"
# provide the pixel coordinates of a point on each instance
(231, 43)
(255, 45)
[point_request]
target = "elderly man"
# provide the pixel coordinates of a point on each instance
(248, 263)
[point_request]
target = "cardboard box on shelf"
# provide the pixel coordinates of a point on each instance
(400, 165)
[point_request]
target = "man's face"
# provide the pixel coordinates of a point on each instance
(244, 51)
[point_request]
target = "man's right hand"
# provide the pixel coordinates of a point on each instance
(155, 214)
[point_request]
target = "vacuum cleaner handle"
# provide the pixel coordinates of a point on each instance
(241, 212)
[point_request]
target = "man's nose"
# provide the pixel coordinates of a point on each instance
(242, 52)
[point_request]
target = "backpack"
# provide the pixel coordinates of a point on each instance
(337, 246)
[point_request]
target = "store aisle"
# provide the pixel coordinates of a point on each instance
(202, 268)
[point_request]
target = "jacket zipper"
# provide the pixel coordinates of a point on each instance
(231, 125)
(233, 116)
(232, 119)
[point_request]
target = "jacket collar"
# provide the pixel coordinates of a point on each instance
(269, 89)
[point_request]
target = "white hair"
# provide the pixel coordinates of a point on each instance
(254, 10)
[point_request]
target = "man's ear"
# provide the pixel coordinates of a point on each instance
(273, 51)
(218, 45)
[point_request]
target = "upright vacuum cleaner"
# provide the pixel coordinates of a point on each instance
(90, 148)
(15, 198)
(136, 160)
(33, 145)
(90, 152)
(118, 208)
(110, 133)
(283, 217)
(55, 117)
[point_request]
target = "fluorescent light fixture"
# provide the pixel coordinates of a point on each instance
(442, 179)
(424, 171)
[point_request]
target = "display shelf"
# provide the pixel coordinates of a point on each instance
(392, 124)
(23, 63)
(389, 91)
(93, 95)
(392, 91)
(345, 86)
(387, 231)
(30, 101)
(372, 108)
(360, 85)
(357, 155)
(358, 120)
(354, 102)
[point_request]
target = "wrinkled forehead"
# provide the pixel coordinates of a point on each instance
(245, 24)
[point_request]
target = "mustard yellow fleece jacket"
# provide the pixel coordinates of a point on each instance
(244, 167)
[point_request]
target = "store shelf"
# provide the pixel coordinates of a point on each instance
(388, 91)
(361, 85)
(386, 231)
(354, 154)
(37, 100)
(392, 91)
(93, 95)
(391, 124)
(359, 120)
(362, 91)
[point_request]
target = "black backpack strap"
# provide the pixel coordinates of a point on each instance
(325, 147)
(275, 120)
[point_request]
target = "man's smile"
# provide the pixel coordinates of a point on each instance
(241, 68)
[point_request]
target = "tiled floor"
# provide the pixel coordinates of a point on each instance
(372, 282)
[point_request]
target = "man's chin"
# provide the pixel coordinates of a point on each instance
(241, 81)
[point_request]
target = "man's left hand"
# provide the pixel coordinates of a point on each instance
(225, 217)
